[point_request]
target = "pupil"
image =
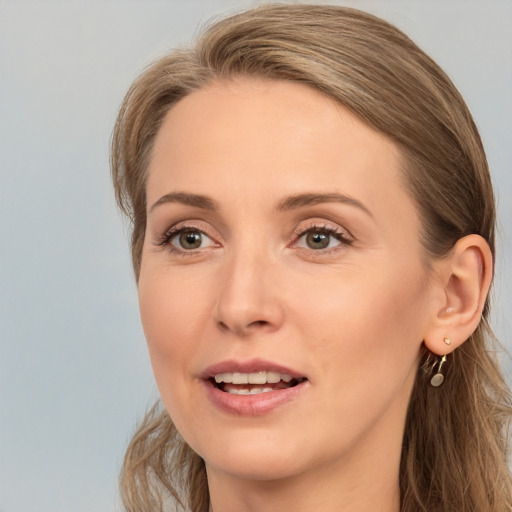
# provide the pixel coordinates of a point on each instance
(317, 240)
(190, 240)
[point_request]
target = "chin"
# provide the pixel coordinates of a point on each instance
(259, 467)
(258, 456)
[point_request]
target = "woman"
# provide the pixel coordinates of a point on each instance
(313, 240)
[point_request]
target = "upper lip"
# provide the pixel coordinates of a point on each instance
(249, 366)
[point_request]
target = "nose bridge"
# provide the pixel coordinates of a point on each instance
(248, 300)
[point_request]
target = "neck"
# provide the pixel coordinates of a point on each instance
(304, 496)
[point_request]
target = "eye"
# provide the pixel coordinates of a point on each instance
(321, 238)
(187, 239)
(317, 240)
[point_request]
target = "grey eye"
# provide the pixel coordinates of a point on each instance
(190, 239)
(317, 240)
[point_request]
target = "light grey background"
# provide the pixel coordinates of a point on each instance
(74, 374)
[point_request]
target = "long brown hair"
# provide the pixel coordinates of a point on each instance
(455, 448)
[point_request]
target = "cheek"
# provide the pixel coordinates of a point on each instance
(170, 318)
(368, 329)
(366, 343)
(362, 302)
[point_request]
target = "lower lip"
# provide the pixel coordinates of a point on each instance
(252, 405)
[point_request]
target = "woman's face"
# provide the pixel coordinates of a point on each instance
(281, 244)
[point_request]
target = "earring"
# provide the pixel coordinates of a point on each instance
(438, 378)
(448, 341)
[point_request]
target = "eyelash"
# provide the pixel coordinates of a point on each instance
(336, 233)
(168, 236)
(341, 236)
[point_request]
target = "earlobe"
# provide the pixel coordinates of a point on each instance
(464, 278)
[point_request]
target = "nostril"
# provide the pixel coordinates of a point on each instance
(258, 323)
(223, 326)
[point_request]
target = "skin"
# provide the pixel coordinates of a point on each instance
(351, 317)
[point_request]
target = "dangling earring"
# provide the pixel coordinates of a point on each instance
(438, 378)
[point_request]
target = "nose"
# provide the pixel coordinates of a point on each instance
(248, 300)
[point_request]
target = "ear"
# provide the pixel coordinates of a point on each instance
(462, 281)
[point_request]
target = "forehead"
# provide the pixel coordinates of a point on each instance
(266, 138)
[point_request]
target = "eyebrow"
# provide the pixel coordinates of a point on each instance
(199, 201)
(311, 199)
(288, 203)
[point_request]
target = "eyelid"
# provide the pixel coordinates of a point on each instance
(341, 234)
(164, 239)
(174, 240)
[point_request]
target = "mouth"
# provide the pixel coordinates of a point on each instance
(254, 383)
(252, 388)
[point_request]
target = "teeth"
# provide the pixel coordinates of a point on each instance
(257, 378)
(275, 377)
(240, 378)
(245, 391)
(252, 378)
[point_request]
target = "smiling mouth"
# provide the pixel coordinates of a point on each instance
(254, 383)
